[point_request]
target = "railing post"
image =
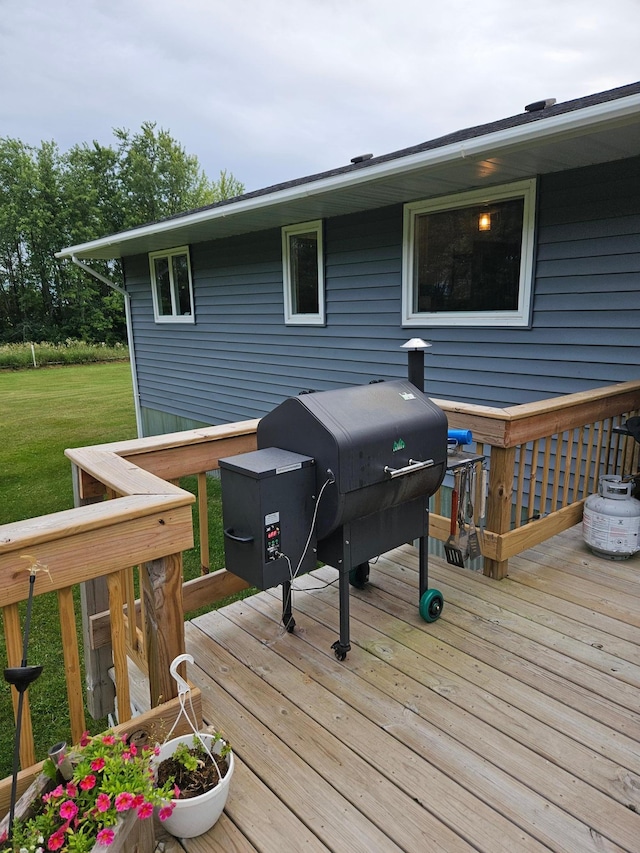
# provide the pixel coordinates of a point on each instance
(501, 478)
(161, 591)
(94, 598)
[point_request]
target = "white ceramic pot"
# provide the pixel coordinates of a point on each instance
(196, 815)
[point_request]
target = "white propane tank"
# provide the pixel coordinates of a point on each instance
(611, 520)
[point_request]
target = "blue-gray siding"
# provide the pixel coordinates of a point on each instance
(239, 360)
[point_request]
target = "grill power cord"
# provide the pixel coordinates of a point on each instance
(293, 574)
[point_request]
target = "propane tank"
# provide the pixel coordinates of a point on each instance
(611, 520)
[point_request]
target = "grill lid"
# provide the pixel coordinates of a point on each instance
(360, 432)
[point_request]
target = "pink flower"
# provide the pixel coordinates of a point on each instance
(138, 800)
(124, 801)
(97, 764)
(109, 740)
(133, 749)
(85, 739)
(105, 836)
(165, 812)
(126, 756)
(71, 789)
(56, 840)
(103, 802)
(145, 810)
(88, 782)
(176, 792)
(68, 810)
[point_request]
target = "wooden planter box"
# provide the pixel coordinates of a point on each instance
(131, 835)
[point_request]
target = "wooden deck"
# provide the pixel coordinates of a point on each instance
(511, 724)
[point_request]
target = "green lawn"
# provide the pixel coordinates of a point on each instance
(42, 412)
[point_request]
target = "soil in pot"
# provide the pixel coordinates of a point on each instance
(196, 781)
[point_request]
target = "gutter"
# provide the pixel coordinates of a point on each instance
(564, 125)
(132, 352)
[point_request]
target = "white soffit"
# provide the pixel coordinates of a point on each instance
(597, 134)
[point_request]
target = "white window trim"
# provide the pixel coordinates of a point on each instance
(290, 318)
(174, 317)
(519, 317)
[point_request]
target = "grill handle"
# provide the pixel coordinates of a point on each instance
(228, 532)
(411, 468)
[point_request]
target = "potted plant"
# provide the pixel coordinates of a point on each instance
(90, 792)
(199, 767)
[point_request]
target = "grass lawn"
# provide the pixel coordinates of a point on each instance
(42, 412)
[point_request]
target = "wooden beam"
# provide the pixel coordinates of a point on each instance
(100, 691)
(529, 535)
(161, 586)
(199, 592)
(501, 476)
(81, 544)
(121, 475)
(14, 644)
(516, 425)
(177, 440)
(116, 585)
(203, 519)
(71, 658)
(192, 459)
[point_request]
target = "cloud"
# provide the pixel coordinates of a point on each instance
(275, 89)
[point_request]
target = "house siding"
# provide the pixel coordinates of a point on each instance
(239, 359)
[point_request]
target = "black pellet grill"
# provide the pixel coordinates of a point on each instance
(340, 476)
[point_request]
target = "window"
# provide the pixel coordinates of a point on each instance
(303, 274)
(468, 258)
(171, 286)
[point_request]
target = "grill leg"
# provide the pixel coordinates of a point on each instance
(287, 612)
(424, 564)
(431, 601)
(423, 576)
(342, 646)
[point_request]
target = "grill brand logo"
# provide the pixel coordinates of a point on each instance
(398, 444)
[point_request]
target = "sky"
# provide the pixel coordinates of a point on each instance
(273, 90)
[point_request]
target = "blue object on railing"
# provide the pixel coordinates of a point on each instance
(459, 436)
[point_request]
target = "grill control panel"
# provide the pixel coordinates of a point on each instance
(272, 536)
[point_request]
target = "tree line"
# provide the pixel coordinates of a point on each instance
(51, 199)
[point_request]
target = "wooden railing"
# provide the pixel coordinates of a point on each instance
(543, 459)
(148, 523)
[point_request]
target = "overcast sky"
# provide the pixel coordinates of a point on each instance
(273, 90)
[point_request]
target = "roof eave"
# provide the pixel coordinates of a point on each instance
(546, 129)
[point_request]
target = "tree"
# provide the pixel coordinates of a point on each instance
(160, 179)
(50, 199)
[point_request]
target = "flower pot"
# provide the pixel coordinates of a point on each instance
(193, 816)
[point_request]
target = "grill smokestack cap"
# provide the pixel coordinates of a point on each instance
(361, 158)
(536, 106)
(416, 343)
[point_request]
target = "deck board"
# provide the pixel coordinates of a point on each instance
(510, 724)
